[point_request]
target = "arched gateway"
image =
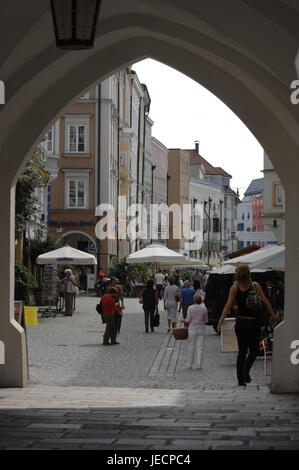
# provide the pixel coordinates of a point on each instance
(242, 51)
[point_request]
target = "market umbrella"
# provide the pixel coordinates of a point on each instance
(256, 256)
(156, 253)
(275, 262)
(228, 269)
(66, 255)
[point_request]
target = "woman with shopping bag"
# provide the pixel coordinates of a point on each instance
(197, 317)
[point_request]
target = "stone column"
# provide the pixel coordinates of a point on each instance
(285, 375)
(13, 366)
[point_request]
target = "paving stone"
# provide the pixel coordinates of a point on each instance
(41, 426)
(80, 402)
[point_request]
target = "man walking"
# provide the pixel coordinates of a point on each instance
(186, 298)
(159, 279)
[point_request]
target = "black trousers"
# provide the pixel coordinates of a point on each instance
(248, 336)
(110, 331)
(149, 315)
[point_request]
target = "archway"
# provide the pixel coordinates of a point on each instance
(79, 240)
(232, 55)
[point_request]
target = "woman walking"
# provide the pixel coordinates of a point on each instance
(248, 326)
(171, 299)
(150, 301)
(197, 317)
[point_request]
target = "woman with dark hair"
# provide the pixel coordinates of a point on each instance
(247, 295)
(150, 301)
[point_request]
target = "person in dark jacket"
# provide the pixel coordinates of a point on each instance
(150, 301)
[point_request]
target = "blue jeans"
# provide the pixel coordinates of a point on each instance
(149, 318)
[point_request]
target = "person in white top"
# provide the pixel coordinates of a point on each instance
(159, 278)
(197, 317)
(171, 298)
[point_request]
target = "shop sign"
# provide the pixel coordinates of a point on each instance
(45, 177)
(70, 223)
(30, 315)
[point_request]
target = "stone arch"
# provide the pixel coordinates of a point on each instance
(75, 232)
(229, 47)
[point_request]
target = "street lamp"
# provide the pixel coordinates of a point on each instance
(208, 214)
(75, 23)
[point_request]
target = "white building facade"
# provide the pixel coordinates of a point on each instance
(274, 201)
(251, 229)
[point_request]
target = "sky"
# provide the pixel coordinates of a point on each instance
(183, 111)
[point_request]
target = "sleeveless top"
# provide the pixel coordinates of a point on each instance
(241, 298)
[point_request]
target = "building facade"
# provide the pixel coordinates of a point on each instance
(251, 228)
(100, 141)
(160, 181)
(211, 186)
(274, 201)
(178, 194)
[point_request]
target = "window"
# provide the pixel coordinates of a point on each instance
(122, 159)
(216, 225)
(77, 194)
(85, 96)
(183, 166)
(77, 134)
(48, 143)
(277, 194)
(187, 168)
(205, 225)
(76, 189)
(76, 139)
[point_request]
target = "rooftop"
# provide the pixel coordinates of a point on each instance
(196, 159)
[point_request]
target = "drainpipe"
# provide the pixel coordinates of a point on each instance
(118, 166)
(138, 162)
(208, 214)
(220, 250)
(99, 174)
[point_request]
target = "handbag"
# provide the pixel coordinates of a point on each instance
(156, 321)
(177, 296)
(99, 309)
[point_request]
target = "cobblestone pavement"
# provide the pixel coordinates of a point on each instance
(138, 395)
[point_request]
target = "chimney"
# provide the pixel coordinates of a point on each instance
(197, 146)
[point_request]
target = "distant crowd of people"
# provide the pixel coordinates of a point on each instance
(184, 302)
